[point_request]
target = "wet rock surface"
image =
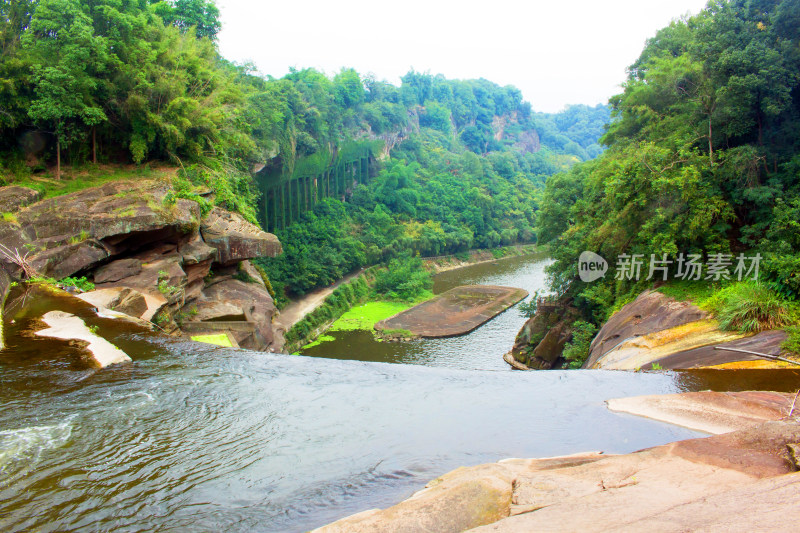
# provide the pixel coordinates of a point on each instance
(150, 255)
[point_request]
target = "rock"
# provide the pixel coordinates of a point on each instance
(118, 270)
(70, 327)
(646, 350)
(256, 304)
(196, 251)
(216, 310)
(14, 197)
(66, 260)
(235, 239)
(111, 298)
(541, 340)
(768, 342)
(135, 235)
(712, 412)
(158, 274)
(650, 313)
(115, 218)
(131, 303)
(255, 276)
(461, 500)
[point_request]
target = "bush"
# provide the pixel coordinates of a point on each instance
(749, 307)
(577, 350)
(792, 342)
(403, 279)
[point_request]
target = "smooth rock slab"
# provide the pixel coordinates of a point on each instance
(455, 312)
(712, 412)
(69, 327)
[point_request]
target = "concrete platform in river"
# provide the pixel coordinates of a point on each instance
(455, 312)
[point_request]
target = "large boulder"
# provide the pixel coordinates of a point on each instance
(650, 313)
(235, 239)
(237, 303)
(541, 340)
(72, 233)
(14, 197)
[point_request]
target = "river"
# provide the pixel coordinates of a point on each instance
(481, 349)
(195, 437)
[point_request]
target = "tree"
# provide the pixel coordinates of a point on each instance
(69, 57)
(202, 15)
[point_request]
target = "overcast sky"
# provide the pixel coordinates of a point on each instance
(557, 52)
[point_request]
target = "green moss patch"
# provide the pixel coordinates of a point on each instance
(364, 317)
(221, 339)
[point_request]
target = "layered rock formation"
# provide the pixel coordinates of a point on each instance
(655, 329)
(151, 256)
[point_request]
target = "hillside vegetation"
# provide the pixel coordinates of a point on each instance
(113, 82)
(703, 158)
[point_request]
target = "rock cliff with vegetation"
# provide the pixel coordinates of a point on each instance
(701, 163)
(178, 262)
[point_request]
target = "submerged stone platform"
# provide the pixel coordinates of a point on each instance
(455, 312)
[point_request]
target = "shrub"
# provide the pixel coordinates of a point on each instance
(749, 307)
(403, 279)
(577, 350)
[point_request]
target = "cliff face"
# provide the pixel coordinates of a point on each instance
(541, 340)
(152, 256)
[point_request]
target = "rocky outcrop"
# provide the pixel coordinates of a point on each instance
(740, 481)
(152, 256)
(649, 313)
(14, 197)
(655, 329)
(541, 340)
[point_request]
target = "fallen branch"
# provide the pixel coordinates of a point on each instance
(764, 355)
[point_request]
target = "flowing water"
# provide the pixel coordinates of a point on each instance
(199, 438)
(481, 349)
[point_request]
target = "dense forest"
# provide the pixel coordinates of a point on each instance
(126, 82)
(703, 157)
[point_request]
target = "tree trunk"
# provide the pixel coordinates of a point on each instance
(58, 158)
(710, 144)
(94, 145)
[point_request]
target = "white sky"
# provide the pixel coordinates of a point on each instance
(556, 52)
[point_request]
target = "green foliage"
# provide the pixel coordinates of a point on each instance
(403, 279)
(334, 306)
(792, 342)
(749, 307)
(576, 351)
(701, 159)
(80, 283)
